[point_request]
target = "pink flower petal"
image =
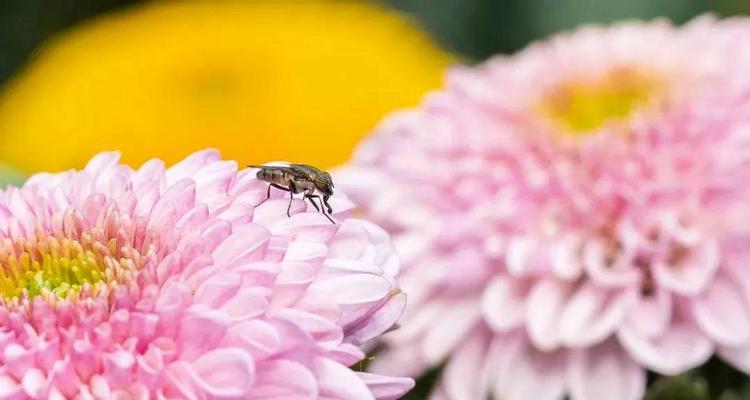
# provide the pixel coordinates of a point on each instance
(10, 389)
(379, 321)
(592, 314)
(447, 332)
(224, 373)
(35, 384)
(462, 378)
(284, 380)
(503, 302)
(217, 289)
(618, 273)
(190, 165)
(650, 315)
(605, 372)
(526, 373)
(678, 349)
(339, 382)
(544, 309)
(405, 360)
(357, 293)
(245, 244)
(247, 303)
(690, 276)
(738, 357)
(259, 338)
(385, 387)
(723, 313)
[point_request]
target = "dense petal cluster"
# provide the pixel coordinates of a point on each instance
(572, 215)
(169, 283)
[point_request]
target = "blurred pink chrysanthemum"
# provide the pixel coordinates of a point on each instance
(573, 215)
(169, 283)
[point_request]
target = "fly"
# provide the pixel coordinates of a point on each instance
(299, 178)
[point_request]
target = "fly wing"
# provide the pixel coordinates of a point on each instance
(303, 171)
(273, 167)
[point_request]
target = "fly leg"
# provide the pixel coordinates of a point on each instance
(322, 208)
(268, 194)
(310, 197)
(292, 190)
(325, 201)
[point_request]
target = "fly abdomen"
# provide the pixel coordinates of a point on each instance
(273, 175)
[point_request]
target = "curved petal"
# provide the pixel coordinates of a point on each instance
(592, 314)
(722, 312)
(386, 387)
(284, 380)
(691, 275)
(566, 262)
(524, 256)
(190, 165)
(404, 360)
(681, 347)
(617, 273)
(356, 294)
(339, 382)
(503, 302)
(650, 315)
(462, 378)
(353, 288)
(217, 289)
(381, 320)
(527, 373)
(246, 243)
(605, 371)
(449, 329)
(224, 373)
(546, 302)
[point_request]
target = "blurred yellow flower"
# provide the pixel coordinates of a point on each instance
(271, 80)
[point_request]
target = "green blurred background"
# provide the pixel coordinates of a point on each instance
(472, 28)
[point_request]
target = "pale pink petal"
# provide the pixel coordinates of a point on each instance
(526, 373)
(462, 376)
(691, 275)
(723, 313)
(544, 307)
(452, 326)
(592, 314)
(618, 273)
(650, 315)
(738, 357)
(678, 349)
(190, 165)
(35, 384)
(605, 371)
(284, 380)
(355, 293)
(336, 381)
(102, 161)
(379, 321)
(385, 387)
(224, 373)
(503, 302)
(217, 289)
(405, 360)
(245, 244)
(259, 338)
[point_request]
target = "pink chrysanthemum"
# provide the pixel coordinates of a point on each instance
(169, 283)
(572, 215)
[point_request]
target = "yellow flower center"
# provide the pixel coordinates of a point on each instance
(58, 266)
(584, 106)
